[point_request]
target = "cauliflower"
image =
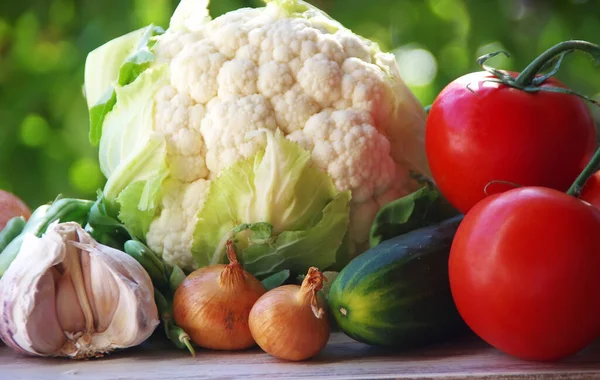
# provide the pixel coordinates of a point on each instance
(178, 114)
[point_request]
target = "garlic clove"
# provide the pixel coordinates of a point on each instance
(104, 292)
(67, 295)
(68, 310)
(27, 298)
(133, 288)
(72, 267)
(124, 331)
(44, 330)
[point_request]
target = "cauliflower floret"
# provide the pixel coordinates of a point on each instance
(283, 40)
(194, 71)
(293, 109)
(226, 125)
(354, 46)
(351, 150)
(364, 86)
(274, 78)
(172, 42)
(237, 77)
(229, 32)
(179, 121)
(171, 232)
(332, 49)
(321, 79)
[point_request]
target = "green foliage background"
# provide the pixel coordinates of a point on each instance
(44, 149)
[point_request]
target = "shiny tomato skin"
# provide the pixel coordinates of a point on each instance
(524, 272)
(591, 190)
(478, 131)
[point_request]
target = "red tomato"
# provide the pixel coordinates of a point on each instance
(11, 206)
(591, 190)
(525, 272)
(478, 132)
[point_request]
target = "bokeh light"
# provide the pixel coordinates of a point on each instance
(34, 131)
(418, 67)
(85, 175)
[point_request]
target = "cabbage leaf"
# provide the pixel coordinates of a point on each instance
(282, 212)
(132, 156)
(116, 63)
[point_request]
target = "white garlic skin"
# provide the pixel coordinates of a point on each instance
(67, 295)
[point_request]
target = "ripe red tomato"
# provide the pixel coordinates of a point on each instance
(478, 132)
(591, 190)
(525, 272)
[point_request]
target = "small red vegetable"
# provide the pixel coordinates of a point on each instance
(495, 125)
(11, 206)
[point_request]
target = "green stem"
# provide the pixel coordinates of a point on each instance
(528, 74)
(185, 339)
(174, 333)
(13, 228)
(176, 278)
(589, 170)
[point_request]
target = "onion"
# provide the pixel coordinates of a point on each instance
(213, 303)
(288, 322)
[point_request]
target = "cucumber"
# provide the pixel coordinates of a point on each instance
(398, 293)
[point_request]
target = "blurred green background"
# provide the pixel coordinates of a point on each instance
(44, 147)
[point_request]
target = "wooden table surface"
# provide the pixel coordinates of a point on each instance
(341, 359)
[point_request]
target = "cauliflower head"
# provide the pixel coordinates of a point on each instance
(173, 110)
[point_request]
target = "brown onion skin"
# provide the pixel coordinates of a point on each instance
(215, 315)
(284, 325)
(11, 206)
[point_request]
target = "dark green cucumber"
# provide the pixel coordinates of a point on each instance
(398, 293)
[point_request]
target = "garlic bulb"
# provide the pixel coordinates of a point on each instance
(67, 295)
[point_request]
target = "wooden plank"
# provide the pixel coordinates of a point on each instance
(341, 359)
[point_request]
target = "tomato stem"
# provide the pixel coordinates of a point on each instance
(590, 169)
(528, 75)
(530, 80)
